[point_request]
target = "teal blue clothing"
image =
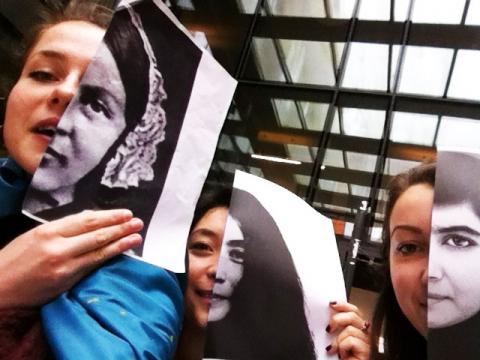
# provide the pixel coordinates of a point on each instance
(127, 309)
(13, 184)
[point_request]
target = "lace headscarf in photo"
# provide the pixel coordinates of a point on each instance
(134, 157)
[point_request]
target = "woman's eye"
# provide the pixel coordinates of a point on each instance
(407, 249)
(42, 75)
(459, 241)
(236, 255)
(200, 247)
(90, 97)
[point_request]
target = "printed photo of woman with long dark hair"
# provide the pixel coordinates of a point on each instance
(257, 308)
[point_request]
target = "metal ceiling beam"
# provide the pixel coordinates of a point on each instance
(351, 176)
(362, 99)
(368, 31)
(348, 143)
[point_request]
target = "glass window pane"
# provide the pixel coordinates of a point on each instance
(425, 70)
(225, 143)
(376, 234)
(229, 167)
(243, 144)
(466, 77)
(306, 8)
(309, 62)
(338, 53)
(267, 60)
(315, 114)
(473, 17)
(438, 11)
(360, 161)
(333, 158)
(302, 179)
(459, 132)
(374, 10)
(363, 122)
(333, 186)
(287, 113)
(395, 166)
(367, 67)
(342, 9)
(360, 190)
(256, 171)
(299, 152)
(412, 128)
(233, 113)
(247, 6)
(401, 10)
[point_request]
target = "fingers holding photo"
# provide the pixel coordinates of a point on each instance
(352, 330)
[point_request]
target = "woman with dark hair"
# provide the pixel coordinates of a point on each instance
(257, 309)
(203, 251)
(453, 282)
(118, 105)
(401, 312)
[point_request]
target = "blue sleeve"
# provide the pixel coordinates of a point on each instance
(127, 309)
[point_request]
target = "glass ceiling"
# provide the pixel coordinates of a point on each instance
(354, 91)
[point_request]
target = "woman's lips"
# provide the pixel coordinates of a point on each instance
(46, 128)
(434, 298)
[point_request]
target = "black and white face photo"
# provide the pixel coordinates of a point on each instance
(454, 263)
(91, 124)
(230, 270)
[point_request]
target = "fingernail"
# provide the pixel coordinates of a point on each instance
(366, 326)
(331, 303)
(328, 347)
(134, 238)
(328, 328)
(136, 222)
(126, 214)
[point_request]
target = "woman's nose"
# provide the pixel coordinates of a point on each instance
(63, 92)
(434, 270)
(212, 270)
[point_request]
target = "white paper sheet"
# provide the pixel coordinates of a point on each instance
(310, 239)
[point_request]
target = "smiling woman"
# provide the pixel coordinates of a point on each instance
(203, 250)
(401, 313)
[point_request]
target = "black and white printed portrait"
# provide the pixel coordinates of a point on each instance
(257, 307)
(115, 142)
(454, 261)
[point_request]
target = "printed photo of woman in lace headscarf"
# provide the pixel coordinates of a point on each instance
(114, 145)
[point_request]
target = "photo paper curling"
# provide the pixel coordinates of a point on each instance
(140, 133)
(278, 270)
(454, 257)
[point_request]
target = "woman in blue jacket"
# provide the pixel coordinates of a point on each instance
(105, 314)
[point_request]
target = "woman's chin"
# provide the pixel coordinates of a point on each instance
(218, 310)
